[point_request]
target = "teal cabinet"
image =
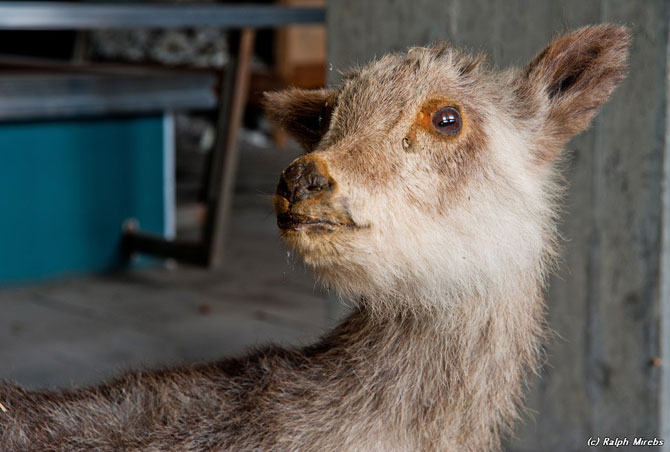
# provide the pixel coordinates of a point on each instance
(67, 186)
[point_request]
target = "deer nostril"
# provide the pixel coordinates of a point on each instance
(282, 187)
(301, 180)
(316, 182)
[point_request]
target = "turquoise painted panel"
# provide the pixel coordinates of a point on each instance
(67, 186)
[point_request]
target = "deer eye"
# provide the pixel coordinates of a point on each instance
(447, 120)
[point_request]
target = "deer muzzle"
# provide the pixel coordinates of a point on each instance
(304, 194)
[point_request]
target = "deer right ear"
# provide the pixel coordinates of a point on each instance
(305, 114)
(572, 78)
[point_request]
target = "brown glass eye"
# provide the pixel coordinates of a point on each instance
(447, 120)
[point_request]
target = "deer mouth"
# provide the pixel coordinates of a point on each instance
(295, 221)
(310, 216)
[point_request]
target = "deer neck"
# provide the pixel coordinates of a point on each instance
(455, 375)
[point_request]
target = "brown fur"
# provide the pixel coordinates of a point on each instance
(442, 243)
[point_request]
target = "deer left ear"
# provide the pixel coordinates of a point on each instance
(574, 76)
(305, 114)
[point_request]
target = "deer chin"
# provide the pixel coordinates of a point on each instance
(315, 232)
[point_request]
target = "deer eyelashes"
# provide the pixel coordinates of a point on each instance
(435, 118)
(447, 120)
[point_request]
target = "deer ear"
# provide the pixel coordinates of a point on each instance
(574, 76)
(302, 113)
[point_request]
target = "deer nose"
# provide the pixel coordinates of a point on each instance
(303, 179)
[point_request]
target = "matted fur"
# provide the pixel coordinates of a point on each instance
(444, 253)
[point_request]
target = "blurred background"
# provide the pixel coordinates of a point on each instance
(137, 168)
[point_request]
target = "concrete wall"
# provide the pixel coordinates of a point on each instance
(609, 300)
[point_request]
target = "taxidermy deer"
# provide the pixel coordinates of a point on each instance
(426, 197)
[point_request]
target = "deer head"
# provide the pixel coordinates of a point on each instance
(429, 177)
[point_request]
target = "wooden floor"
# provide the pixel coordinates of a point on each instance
(83, 329)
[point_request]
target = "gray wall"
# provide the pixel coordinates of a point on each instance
(609, 300)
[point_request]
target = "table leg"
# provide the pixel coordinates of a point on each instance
(208, 251)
